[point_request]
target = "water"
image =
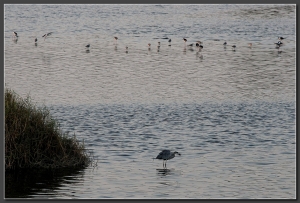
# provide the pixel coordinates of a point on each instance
(231, 114)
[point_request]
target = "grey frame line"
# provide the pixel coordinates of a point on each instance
(141, 2)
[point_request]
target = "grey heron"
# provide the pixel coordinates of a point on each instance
(166, 155)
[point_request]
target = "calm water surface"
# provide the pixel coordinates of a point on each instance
(230, 113)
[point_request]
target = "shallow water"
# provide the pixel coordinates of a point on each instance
(230, 113)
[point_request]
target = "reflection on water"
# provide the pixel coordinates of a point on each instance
(27, 183)
(165, 172)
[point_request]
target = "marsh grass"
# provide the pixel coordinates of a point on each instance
(33, 138)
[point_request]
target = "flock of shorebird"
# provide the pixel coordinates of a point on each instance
(15, 35)
(198, 43)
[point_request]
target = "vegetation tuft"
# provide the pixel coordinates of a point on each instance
(33, 138)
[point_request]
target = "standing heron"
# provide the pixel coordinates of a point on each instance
(166, 155)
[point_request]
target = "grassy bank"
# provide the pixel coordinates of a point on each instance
(33, 138)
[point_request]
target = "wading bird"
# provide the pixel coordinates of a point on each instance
(279, 43)
(116, 39)
(15, 34)
(46, 35)
(166, 155)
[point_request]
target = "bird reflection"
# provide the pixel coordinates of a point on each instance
(163, 172)
(279, 52)
(199, 55)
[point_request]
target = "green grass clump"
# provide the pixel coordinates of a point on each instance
(33, 138)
